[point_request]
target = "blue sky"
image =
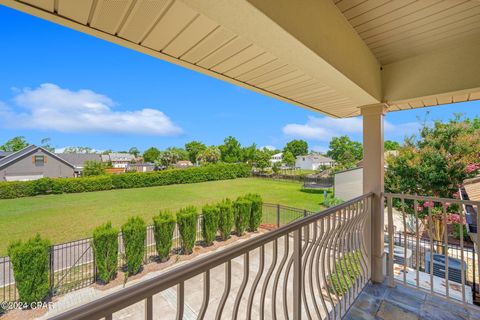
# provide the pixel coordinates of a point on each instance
(82, 91)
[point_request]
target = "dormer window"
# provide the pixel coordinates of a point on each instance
(39, 160)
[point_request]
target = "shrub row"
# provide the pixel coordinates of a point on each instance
(30, 259)
(220, 171)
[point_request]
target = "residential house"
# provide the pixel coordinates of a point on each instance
(278, 157)
(79, 159)
(33, 163)
(141, 167)
(313, 162)
(183, 164)
(118, 160)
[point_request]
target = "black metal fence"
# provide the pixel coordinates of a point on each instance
(454, 251)
(308, 181)
(72, 264)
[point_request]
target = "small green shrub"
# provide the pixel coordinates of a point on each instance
(225, 218)
(134, 232)
(163, 227)
(256, 211)
(210, 219)
(241, 212)
(347, 270)
(30, 262)
(187, 226)
(105, 248)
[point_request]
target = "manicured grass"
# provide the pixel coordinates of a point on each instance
(68, 217)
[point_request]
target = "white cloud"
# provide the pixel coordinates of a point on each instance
(53, 108)
(324, 129)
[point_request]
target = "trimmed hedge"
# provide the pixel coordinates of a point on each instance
(225, 218)
(211, 172)
(134, 232)
(256, 212)
(105, 248)
(210, 223)
(187, 226)
(163, 227)
(241, 209)
(30, 262)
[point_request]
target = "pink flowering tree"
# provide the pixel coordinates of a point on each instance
(435, 163)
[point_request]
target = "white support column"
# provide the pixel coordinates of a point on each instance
(373, 174)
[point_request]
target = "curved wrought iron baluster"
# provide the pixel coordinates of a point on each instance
(226, 292)
(206, 294)
(278, 274)
(267, 279)
(246, 271)
(256, 281)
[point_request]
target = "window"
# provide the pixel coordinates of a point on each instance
(39, 160)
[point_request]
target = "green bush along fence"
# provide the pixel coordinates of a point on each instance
(220, 171)
(76, 264)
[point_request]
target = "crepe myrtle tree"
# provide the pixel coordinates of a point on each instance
(435, 164)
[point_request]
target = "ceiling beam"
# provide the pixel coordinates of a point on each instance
(439, 73)
(311, 35)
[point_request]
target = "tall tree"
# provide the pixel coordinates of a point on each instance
(194, 148)
(15, 144)
(297, 147)
(262, 159)
(46, 144)
(151, 154)
(345, 151)
(288, 158)
(210, 155)
(231, 150)
(181, 153)
(78, 150)
(134, 151)
(437, 163)
(248, 153)
(390, 145)
(168, 158)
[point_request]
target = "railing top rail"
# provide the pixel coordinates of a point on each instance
(433, 199)
(138, 292)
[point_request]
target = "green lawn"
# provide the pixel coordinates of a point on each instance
(68, 217)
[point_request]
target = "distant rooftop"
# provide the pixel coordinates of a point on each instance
(78, 159)
(316, 157)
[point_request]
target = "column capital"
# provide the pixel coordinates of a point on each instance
(374, 109)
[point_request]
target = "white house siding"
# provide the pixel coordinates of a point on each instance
(308, 163)
(349, 184)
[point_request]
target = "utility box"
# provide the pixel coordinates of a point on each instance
(454, 267)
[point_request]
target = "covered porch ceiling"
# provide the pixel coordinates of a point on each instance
(331, 56)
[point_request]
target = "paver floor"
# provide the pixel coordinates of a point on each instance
(377, 302)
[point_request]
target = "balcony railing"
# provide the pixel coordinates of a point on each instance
(313, 268)
(421, 252)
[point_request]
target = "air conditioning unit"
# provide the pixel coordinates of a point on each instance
(454, 267)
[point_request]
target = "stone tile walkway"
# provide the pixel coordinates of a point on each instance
(377, 301)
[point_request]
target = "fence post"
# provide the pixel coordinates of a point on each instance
(297, 274)
(305, 212)
(52, 269)
(278, 215)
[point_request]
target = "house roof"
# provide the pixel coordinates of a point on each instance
(118, 157)
(472, 187)
(4, 154)
(278, 154)
(78, 159)
(27, 151)
(316, 157)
